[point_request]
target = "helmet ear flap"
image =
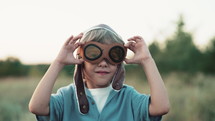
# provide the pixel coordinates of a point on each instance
(119, 77)
(80, 91)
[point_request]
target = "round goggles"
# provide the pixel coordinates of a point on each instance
(95, 52)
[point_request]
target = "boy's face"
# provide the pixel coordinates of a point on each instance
(99, 75)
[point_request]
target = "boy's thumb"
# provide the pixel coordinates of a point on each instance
(128, 61)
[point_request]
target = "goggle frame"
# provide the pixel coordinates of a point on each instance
(105, 52)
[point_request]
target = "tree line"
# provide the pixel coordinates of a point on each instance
(179, 54)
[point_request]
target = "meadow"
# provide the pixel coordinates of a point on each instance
(191, 96)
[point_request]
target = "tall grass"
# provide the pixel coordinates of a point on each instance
(191, 96)
(15, 94)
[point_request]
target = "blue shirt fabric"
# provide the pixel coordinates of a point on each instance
(124, 105)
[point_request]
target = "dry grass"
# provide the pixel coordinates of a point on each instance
(191, 97)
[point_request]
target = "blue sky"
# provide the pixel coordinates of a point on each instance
(34, 30)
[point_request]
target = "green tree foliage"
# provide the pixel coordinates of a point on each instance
(180, 53)
(155, 50)
(12, 67)
(157, 54)
(209, 57)
(38, 70)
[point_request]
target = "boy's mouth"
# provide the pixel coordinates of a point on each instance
(102, 72)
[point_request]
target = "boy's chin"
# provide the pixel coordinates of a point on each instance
(103, 85)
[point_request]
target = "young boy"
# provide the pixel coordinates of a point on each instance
(98, 93)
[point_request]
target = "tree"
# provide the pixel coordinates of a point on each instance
(209, 59)
(180, 53)
(12, 67)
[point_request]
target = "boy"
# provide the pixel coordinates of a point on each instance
(98, 92)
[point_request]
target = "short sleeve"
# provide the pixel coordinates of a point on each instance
(140, 104)
(55, 108)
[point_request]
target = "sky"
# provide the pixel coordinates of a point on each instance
(35, 30)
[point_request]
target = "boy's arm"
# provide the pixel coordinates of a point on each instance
(159, 104)
(39, 103)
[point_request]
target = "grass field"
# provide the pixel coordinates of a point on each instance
(191, 96)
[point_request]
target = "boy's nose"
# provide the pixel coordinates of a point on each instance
(103, 63)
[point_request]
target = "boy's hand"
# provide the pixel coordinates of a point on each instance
(141, 52)
(65, 56)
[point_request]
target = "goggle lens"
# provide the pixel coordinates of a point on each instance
(92, 52)
(117, 54)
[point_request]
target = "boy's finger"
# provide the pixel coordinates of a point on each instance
(79, 61)
(81, 43)
(74, 39)
(128, 61)
(129, 44)
(78, 37)
(131, 39)
(78, 44)
(68, 40)
(136, 39)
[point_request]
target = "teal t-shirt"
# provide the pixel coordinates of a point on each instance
(124, 105)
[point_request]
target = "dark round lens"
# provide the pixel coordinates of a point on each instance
(92, 52)
(117, 54)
